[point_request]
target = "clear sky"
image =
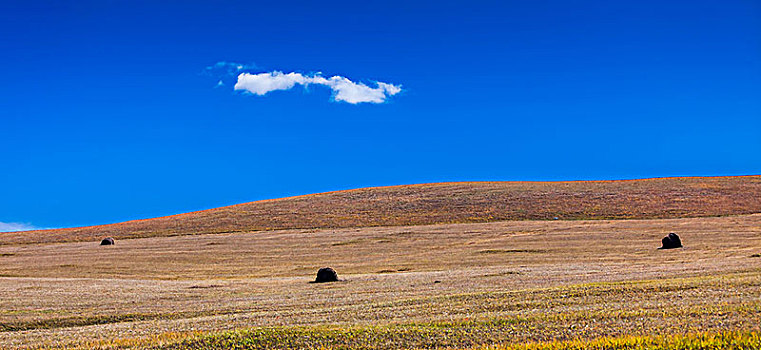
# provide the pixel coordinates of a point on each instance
(109, 110)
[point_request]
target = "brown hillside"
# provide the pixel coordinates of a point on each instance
(445, 203)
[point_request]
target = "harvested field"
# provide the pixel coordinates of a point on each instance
(446, 203)
(550, 282)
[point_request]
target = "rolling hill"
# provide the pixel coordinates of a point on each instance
(463, 202)
(449, 265)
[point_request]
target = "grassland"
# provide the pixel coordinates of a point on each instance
(726, 341)
(445, 203)
(530, 284)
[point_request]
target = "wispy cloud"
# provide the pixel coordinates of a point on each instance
(16, 226)
(228, 68)
(344, 90)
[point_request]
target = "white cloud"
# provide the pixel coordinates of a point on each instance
(344, 89)
(262, 83)
(15, 226)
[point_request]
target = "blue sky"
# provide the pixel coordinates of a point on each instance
(108, 113)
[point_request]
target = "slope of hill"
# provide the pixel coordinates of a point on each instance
(445, 203)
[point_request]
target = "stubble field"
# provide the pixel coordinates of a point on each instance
(444, 203)
(512, 284)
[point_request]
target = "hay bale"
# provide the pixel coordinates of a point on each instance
(671, 241)
(326, 274)
(107, 241)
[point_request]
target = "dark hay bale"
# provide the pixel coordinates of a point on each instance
(326, 274)
(671, 241)
(107, 241)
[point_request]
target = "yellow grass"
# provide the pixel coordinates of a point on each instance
(553, 284)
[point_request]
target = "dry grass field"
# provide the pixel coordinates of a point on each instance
(506, 284)
(446, 203)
